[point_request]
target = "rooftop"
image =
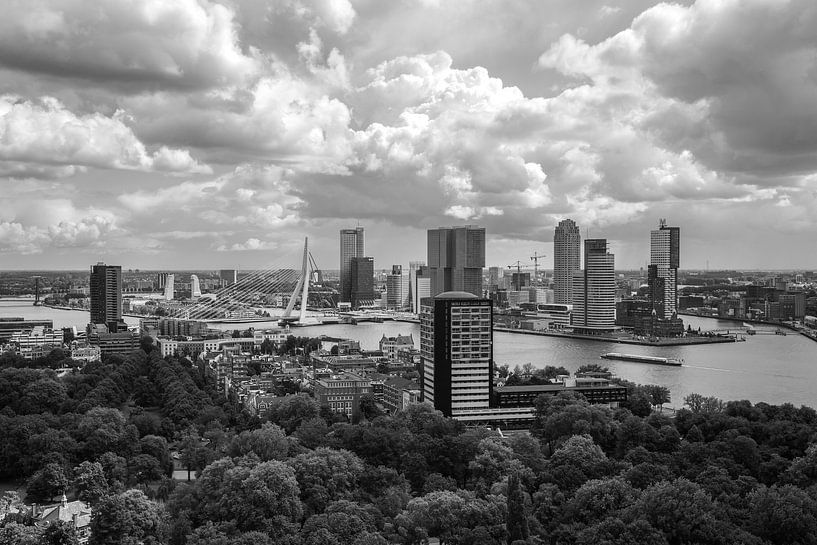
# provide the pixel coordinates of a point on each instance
(456, 295)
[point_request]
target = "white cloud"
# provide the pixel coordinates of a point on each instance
(42, 137)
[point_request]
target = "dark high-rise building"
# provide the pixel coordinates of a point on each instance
(395, 297)
(106, 296)
(456, 256)
(351, 245)
(228, 277)
(665, 245)
(566, 241)
(657, 288)
(361, 278)
(161, 280)
(456, 351)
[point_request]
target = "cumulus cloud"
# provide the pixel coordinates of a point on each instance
(43, 138)
(187, 43)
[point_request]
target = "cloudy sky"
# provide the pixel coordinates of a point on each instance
(206, 134)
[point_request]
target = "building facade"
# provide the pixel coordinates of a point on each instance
(394, 288)
(456, 257)
(456, 351)
(106, 295)
(662, 277)
(342, 393)
(361, 277)
(566, 241)
(594, 289)
(351, 245)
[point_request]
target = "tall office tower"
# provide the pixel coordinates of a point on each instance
(170, 287)
(456, 256)
(394, 288)
(195, 287)
(456, 351)
(161, 280)
(411, 295)
(665, 244)
(351, 245)
(421, 287)
(361, 278)
(594, 288)
(566, 241)
(106, 295)
(228, 277)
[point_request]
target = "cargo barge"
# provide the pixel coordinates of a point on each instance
(655, 360)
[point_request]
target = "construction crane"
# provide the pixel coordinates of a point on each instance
(518, 266)
(535, 258)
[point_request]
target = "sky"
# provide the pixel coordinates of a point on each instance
(197, 134)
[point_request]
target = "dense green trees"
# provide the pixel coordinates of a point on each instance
(714, 473)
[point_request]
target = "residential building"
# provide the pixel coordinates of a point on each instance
(361, 278)
(456, 256)
(39, 341)
(421, 287)
(390, 346)
(74, 514)
(342, 392)
(594, 289)
(119, 342)
(13, 324)
(456, 350)
(663, 270)
(106, 296)
(351, 245)
(566, 260)
(86, 353)
(173, 327)
(399, 393)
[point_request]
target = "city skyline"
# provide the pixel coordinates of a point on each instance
(215, 134)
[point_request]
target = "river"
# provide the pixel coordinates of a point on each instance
(772, 368)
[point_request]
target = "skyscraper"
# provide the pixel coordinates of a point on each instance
(195, 286)
(351, 245)
(456, 256)
(106, 295)
(594, 288)
(566, 241)
(456, 350)
(665, 243)
(361, 279)
(394, 288)
(228, 277)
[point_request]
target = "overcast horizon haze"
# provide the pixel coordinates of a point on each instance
(200, 134)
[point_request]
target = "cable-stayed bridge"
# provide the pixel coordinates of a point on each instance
(237, 302)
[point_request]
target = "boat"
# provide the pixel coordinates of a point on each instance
(642, 359)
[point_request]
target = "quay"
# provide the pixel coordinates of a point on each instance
(620, 339)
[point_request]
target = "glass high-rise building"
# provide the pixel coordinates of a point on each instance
(594, 288)
(566, 242)
(361, 279)
(665, 243)
(456, 257)
(351, 245)
(106, 295)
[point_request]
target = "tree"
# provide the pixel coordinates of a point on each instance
(59, 533)
(517, 525)
(290, 411)
(268, 443)
(783, 515)
(566, 414)
(128, 518)
(193, 453)
(368, 407)
(325, 475)
(46, 483)
(90, 482)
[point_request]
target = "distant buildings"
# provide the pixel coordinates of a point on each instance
(566, 240)
(456, 257)
(594, 289)
(170, 287)
(228, 277)
(394, 288)
(390, 346)
(456, 350)
(106, 296)
(361, 280)
(662, 275)
(195, 287)
(342, 392)
(351, 246)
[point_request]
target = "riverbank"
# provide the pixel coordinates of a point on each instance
(680, 341)
(805, 332)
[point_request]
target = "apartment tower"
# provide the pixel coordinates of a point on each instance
(456, 350)
(566, 242)
(662, 277)
(351, 245)
(106, 295)
(594, 288)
